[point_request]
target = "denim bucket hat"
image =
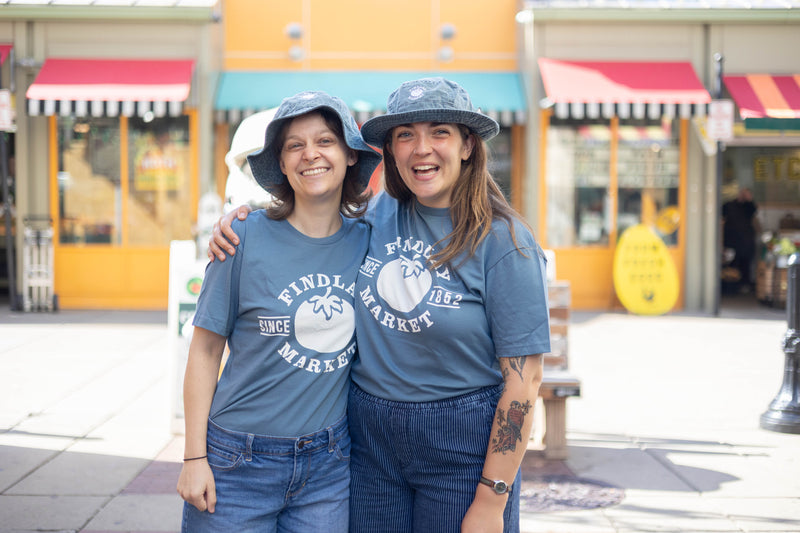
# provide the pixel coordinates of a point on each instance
(266, 166)
(428, 100)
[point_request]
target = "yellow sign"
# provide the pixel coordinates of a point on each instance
(645, 277)
(668, 220)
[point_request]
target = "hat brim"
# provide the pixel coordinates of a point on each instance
(266, 166)
(375, 129)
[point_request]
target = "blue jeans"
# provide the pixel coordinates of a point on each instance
(415, 465)
(276, 484)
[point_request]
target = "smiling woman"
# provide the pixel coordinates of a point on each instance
(285, 307)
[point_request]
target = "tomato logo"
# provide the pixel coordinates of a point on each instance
(403, 283)
(325, 323)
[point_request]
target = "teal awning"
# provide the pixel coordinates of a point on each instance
(500, 95)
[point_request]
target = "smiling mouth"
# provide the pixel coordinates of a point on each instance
(314, 171)
(425, 170)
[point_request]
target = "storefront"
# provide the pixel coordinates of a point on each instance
(614, 138)
(608, 148)
(764, 158)
(111, 109)
(123, 181)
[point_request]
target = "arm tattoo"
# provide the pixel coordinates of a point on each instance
(516, 364)
(510, 427)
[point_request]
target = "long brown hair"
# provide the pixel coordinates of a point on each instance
(353, 203)
(476, 201)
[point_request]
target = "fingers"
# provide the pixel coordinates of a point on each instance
(211, 498)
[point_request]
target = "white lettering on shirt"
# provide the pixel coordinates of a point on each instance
(311, 281)
(316, 366)
(392, 321)
(272, 326)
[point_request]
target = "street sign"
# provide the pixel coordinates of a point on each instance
(720, 120)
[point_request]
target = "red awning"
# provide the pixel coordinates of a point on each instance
(108, 84)
(766, 101)
(637, 88)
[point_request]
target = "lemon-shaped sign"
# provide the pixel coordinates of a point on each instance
(645, 276)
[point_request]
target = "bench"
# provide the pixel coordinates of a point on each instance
(558, 383)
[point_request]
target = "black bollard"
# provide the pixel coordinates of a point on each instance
(783, 413)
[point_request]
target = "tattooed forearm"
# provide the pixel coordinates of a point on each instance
(516, 364)
(510, 425)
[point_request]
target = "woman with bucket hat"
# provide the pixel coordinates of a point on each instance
(267, 444)
(452, 319)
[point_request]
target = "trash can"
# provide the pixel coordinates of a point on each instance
(37, 265)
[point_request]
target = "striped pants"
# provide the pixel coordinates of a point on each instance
(415, 466)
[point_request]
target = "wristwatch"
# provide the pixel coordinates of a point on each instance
(497, 485)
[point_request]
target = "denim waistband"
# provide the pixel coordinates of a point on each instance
(249, 443)
(480, 395)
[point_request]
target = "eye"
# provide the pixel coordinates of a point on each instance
(402, 134)
(439, 132)
(292, 146)
(327, 141)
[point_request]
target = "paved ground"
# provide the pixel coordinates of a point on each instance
(665, 437)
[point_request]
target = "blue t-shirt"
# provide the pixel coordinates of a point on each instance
(427, 335)
(285, 303)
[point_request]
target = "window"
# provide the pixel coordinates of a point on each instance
(578, 178)
(155, 198)
(648, 174)
(159, 201)
(89, 192)
(499, 148)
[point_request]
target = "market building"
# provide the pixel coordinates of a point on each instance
(124, 114)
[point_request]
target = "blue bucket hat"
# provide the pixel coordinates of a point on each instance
(266, 166)
(428, 100)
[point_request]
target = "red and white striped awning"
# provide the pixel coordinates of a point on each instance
(110, 87)
(626, 89)
(766, 101)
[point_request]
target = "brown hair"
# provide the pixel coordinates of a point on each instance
(476, 201)
(354, 202)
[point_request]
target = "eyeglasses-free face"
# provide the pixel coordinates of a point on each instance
(428, 157)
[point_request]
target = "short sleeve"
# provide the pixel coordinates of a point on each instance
(516, 302)
(218, 303)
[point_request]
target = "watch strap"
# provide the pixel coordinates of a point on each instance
(497, 485)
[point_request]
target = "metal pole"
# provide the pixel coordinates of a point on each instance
(783, 413)
(718, 60)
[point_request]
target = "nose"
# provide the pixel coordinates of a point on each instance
(310, 153)
(421, 145)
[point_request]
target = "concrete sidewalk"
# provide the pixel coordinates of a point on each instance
(665, 437)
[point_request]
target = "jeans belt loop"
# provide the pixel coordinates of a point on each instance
(331, 439)
(248, 454)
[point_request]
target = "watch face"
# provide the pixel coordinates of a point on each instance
(500, 487)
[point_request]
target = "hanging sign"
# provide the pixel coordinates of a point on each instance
(720, 120)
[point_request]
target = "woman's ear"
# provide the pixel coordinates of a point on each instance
(469, 145)
(352, 158)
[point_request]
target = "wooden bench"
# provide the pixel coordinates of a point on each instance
(558, 383)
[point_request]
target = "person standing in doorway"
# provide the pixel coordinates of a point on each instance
(739, 234)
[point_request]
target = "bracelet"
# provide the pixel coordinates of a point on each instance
(195, 458)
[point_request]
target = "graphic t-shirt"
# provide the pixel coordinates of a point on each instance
(426, 335)
(285, 303)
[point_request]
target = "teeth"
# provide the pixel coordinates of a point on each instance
(314, 171)
(424, 168)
